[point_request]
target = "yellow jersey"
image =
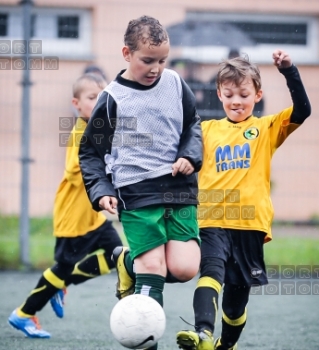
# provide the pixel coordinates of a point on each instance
(73, 214)
(234, 182)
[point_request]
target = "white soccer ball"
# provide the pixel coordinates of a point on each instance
(137, 321)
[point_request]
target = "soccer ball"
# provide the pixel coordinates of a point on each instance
(137, 321)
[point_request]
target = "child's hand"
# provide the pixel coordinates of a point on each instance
(183, 166)
(281, 59)
(108, 203)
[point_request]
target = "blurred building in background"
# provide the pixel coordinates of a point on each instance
(73, 34)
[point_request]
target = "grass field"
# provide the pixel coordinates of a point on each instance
(275, 322)
(41, 242)
(291, 245)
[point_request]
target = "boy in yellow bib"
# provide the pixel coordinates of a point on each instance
(85, 239)
(235, 211)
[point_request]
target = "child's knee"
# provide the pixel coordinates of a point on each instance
(213, 268)
(151, 263)
(188, 274)
(184, 272)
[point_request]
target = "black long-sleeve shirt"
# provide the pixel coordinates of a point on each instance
(301, 103)
(97, 142)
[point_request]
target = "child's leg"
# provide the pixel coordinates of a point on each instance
(49, 283)
(146, 234)
(125, 275)
(214, 248)
(182, 259)
(215, 251)
(182, 248)
(93, 265)
(206, 295)
(23, 318)
(126, 272)
(125, 266)
(205, 304)
(99, 245)
(145, 231)
(235, 299)
(150, 270)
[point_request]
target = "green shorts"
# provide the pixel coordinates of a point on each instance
(150, 227)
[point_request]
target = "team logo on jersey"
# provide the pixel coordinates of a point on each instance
(251, 133)
(233, 157)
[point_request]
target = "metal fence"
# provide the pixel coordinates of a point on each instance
(34, 102)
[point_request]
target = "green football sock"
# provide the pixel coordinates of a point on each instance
(151, 285)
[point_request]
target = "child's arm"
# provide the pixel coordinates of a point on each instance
(191, 146)
(96, 142)
(301, 104)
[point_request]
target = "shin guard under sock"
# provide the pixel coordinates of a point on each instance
(205, 303)
(47, 286)
(151, 285)
(92, 266)
(231, 329)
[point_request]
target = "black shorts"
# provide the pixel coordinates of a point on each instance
(70, 250)
(238, 254)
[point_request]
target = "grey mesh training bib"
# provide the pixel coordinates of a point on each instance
(148, 128)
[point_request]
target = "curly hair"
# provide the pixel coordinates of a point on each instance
(236, 70)
(142, 30)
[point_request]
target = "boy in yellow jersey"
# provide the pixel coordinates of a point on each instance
(85, 240)
(235, 211)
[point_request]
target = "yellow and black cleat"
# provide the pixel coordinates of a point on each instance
(125, 284)
(191, 340)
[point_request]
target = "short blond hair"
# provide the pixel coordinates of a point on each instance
(95, 78)
(236, 70)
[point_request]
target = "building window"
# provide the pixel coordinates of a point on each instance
(211, 35)
(68, 27)
(64, 32)
(274, 32)
(3, 24)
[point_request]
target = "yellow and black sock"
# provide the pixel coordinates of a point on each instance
(91, 266)
(235, 299)
(205, 303)
(231, 329)
(48, 284)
